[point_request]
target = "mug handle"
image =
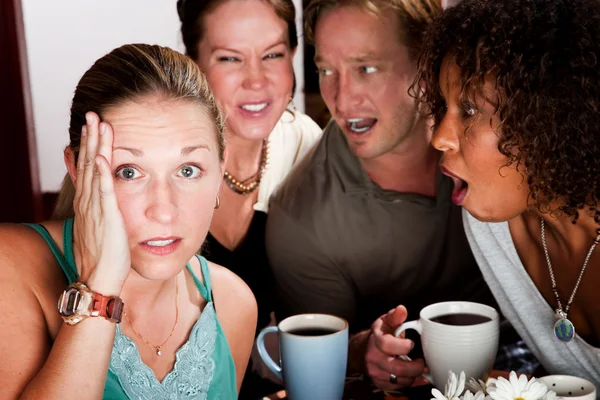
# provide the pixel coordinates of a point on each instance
(415, 326)
(264, 354)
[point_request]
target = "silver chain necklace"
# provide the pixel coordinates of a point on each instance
(564, 328)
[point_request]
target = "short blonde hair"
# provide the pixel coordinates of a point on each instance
(413, 16)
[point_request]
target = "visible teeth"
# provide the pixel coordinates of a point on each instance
(254, 107)
(353, 122)
(159, 243)
(353, 128)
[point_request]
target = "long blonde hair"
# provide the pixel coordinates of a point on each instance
(128, 73)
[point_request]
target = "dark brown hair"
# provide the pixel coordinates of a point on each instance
(413, 16)
(543, 58)
(192, 13)
(129, 73)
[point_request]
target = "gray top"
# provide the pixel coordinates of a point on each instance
(524, 306)
(340, 244)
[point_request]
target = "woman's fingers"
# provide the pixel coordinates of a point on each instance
(104, 152)
(106, 142)
(106, 188)
(80, 165)
(100, 234)
(91, 150)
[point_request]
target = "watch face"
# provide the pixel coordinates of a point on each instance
(69, 302)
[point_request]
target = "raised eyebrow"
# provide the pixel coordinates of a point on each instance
(135, 152)
(184, 152)
(189, 149)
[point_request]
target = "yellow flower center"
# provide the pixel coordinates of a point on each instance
(519, 398)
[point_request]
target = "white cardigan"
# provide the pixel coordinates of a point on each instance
(292, 137)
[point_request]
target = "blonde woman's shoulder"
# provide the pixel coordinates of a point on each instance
(226, 282)
(23, 249)
(232, 296)
(237, 312)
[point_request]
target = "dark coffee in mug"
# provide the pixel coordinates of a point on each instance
(311, 331)
(461, 319)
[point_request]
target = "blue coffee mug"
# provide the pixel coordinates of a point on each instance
(313, 352)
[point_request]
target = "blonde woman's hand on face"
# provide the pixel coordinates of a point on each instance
(100, 238)
(386, 359)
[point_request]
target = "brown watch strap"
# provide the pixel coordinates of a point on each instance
(109, 307)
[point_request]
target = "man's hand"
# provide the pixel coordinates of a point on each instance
(383, 352)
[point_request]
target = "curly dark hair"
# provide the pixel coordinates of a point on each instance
(543, 57)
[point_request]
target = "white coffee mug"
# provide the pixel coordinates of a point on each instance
(457, 336)
(570, 387)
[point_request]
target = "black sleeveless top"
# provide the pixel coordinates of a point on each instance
(249, 262)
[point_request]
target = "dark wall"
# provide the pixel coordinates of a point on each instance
(20, 195)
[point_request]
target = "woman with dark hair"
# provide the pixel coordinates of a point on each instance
(245, 48)
(514, 88)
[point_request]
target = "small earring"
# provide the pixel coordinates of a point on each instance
(291, 104)
(217, 203)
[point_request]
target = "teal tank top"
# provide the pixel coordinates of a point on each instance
(204, 367)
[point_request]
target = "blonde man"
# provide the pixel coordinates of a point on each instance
(366, 222)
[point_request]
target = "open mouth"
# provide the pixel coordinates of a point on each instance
(360, 125)
(159, 243)
(254, 107)
(460, 191)
(461, 187)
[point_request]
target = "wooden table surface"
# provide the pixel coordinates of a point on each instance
(358, 388)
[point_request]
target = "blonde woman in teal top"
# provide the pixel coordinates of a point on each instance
(141, 316)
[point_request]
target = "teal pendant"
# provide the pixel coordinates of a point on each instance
(564, 330)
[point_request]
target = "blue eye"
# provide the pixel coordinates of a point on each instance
(189, 172)
(127, 173)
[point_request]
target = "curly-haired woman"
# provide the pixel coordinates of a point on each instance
(514, 88)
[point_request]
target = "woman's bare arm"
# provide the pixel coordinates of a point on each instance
(76, 362)
(31, 364)
(237, 312)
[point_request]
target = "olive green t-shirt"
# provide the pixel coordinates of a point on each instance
(340, 244)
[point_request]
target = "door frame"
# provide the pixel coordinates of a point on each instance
(20, 189)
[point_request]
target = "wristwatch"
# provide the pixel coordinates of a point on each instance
(78, 302)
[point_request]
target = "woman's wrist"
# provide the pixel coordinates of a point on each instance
(105, 285)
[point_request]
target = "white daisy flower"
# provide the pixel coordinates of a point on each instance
(470, 396)
(517, 388)
(480, 386)
(454, 388)
(550, 395)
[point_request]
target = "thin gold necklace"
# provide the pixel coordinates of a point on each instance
(160, 346)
